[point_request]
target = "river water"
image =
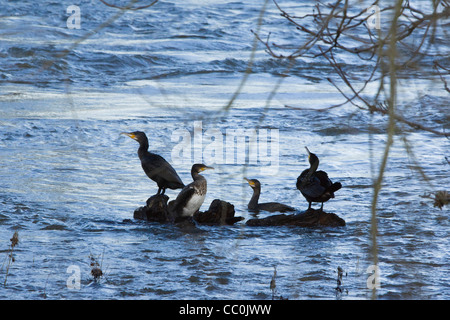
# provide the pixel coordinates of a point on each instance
(69, 182)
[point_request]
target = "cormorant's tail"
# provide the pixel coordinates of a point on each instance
(334, 187)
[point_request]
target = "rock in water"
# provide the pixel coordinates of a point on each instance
(220, 212)
(309, 218)
(155, 210)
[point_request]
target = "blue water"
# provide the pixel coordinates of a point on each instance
(69, 183)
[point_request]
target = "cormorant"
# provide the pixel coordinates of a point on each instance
(315, 185)
(155, 166)
(253, 205)
(191, 198)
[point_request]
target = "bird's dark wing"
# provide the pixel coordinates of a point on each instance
(183, 197)
(313, 189)
(323, 178)
(301, 180)
(315, 186)
(329, 186)
(156, 168)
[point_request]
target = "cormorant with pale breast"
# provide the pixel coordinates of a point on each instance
(155, 166)
(253, 205)
(191, 198)
(315, 185)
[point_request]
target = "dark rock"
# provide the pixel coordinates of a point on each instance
(309, 218)
(220, 212)
(157, 210)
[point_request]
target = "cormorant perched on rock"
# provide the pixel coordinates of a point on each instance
(253, 205)
(191, 198)
(155, 166)
(315, 185)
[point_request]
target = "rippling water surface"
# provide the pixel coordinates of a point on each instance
(69, 183)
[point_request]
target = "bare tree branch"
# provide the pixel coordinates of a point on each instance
(436, 67)
(330, 25)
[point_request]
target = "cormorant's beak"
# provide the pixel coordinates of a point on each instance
(131, 135)
(206, 167)
(251, 183)
(309, 153)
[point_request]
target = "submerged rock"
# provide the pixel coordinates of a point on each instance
(220, 212)
(158, 210)
(309, 218)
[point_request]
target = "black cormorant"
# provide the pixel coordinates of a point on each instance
(191, 198)
(315, 185)
(253, 205)
(155, 166)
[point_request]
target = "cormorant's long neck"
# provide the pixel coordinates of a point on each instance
(196, 176)
(199, 182)
(143, 148)
(255, 197)
(313, 168)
